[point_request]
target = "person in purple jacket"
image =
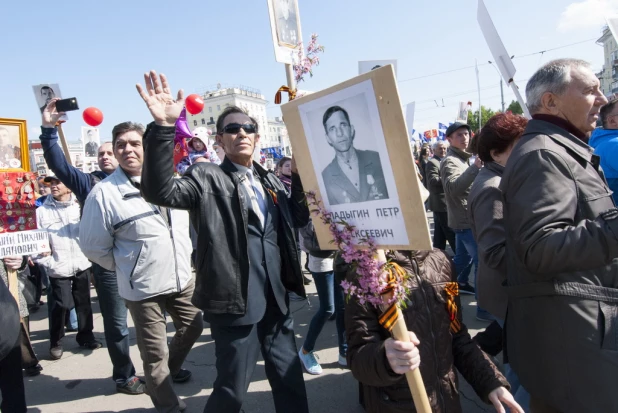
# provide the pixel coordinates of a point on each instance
(113, 309)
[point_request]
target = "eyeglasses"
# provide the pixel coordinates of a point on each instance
(234, 128)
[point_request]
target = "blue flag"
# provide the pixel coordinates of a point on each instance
(442, 126)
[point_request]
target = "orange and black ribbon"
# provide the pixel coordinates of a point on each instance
(395, 274)
(291, 94)
(452, 291)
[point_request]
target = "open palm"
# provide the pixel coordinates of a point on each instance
(158, 97)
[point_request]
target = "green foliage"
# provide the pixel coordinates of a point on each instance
(473, 117)
(515, 107)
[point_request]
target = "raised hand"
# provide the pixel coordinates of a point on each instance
(51, 115)
(158, 97)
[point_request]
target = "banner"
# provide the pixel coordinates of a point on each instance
(24, 243)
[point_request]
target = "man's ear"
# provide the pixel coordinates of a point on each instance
(549, 102)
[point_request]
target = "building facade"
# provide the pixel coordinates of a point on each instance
(608, 76)
(216, 99)
(76, 150)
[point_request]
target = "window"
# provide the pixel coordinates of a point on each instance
(218, 107)
(194, 123)
(211, 119)
(209, 109)
(203, 121)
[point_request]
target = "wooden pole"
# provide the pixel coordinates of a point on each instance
(289, 73)
(414, 378)
(65, 147)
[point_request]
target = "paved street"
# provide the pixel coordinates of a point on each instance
(81, 380)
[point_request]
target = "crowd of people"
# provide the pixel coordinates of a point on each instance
(526, 207)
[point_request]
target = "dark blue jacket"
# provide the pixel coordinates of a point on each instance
(80, 183)
(605, 144)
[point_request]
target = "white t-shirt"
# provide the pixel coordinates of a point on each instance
(320, 264)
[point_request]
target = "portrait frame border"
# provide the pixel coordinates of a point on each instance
(395, 132)
(23, 143)
(284, 52)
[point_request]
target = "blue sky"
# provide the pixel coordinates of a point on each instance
(97, 51)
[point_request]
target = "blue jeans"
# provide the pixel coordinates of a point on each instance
(325, 284)
(114, 314)
(465, 255)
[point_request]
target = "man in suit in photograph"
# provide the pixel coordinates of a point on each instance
(354, 175)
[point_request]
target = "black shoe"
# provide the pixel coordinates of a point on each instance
(55, 353)
(133, 386)
(306, 280)
(466, 289)
(182, 376)
(332, 317)
(33, 370)
(92, 345)
(70, 329)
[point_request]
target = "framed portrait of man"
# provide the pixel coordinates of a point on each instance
(91, 141)
(351, 146)
(44, 93)
(285, 28)
(14, 145)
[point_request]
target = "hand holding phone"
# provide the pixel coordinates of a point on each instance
(67, 105)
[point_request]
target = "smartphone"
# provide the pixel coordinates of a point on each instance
(67, 105)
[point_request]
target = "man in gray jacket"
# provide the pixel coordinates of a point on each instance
(150, 250)
(437, 199)
(561, 248)
(457, 174)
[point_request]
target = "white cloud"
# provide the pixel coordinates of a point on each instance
(586, 14)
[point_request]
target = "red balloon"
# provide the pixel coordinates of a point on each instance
(92, 116)
(194, 103)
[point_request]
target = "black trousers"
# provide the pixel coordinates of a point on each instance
(237, 349)
(12, 382)
(68, 293)
(441, 231)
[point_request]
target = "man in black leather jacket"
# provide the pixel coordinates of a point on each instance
(247, 254)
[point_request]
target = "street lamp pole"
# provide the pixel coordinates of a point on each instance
(501, 84)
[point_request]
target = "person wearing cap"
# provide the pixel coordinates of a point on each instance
(66, 266)
(457, 175)
(112, 306)
(605, 143)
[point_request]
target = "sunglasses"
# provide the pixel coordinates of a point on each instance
(234, 128)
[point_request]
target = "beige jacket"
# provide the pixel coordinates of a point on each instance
(457, 176)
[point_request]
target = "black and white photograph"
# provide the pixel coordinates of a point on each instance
(347, 146)
(286, 15)
(286, 31)
(91, 141)
(44, 93)
(10, 150)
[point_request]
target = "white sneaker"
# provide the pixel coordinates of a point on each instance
(310, 362)
(343, 362)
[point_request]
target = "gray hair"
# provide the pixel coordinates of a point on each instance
(435, 145)
(554, 77)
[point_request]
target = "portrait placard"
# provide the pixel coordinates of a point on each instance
(285, 29)
(91, 141)
(44, 93)
(14, 154)
(24, 243)
(351, 147)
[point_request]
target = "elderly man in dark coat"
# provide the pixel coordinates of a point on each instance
(561, 247)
